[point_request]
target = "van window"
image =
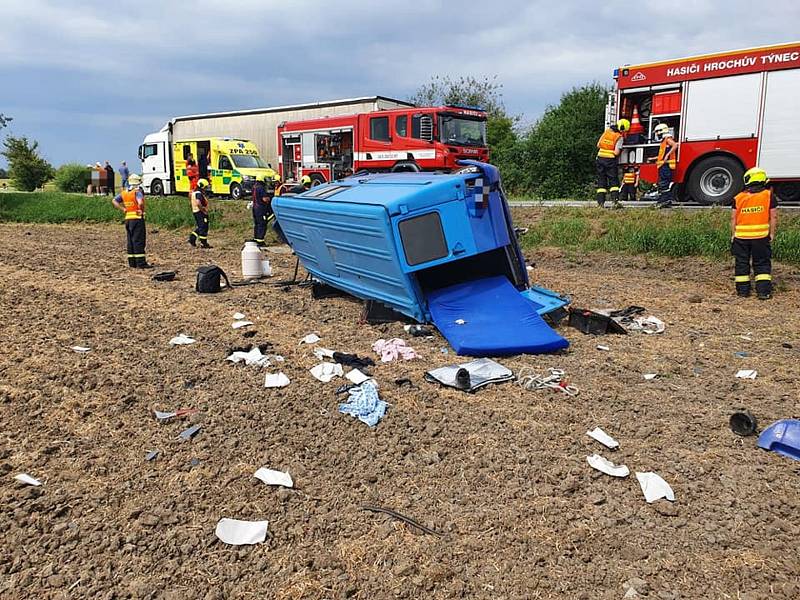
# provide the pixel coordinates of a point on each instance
(149, 150)
(401, 125)
(379, 129)
(187, 150)
(224, 163)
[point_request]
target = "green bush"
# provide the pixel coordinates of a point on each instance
(73, 177)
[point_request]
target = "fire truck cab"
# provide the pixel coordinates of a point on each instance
(728, 112)
(403, 139)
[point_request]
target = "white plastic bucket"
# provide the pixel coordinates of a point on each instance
(266, 269)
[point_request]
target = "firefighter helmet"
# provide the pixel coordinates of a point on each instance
(276, 178)
(306, 181)
(755, 175)
(134, 180)
(623, 125)
(267, 179)
(661, 130)
(202, 183)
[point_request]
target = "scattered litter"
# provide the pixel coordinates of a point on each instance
(782, 437)
(240, 324)
(553, 380)
(746, 338)
(405, 381)
(189, 433)
(327, 371)
(343, 389)
(418, 331)
(606, 466)
(470, 376)
(311, 338)
(786, 345)
(741, 354)
(81, 349)
(649, 324)
(167, 415)
(278, 358)
(603, 348)
(365, 404)
(354, 361)
(746, 374)
(654, 488)
(650, 376)
(276, 380)
(181, 340)
(194, 463)
(323, 353)
(602, 437)
(595, 322)
(238, 316)
(357, 376)
(253, 357)
(743, 423)
(271, 477)
(164, 275)
(27, 479)
(444, 351)
(405, 519)
(239, 533)
(393, 349)
(460, 321)
(151, 455)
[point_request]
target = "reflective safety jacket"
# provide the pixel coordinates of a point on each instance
(752, 214)
(607, 145)
(132, 208)
(199, 202)
(662, 151)
(629, 177)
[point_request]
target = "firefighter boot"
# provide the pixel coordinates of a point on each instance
(601, 197)
(132, 262)
(614, 194)
(204, 244)
(141, 263)
(193, 239)
(742, 286)
(764, 287)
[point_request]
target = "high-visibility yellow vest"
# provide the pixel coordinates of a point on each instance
(752, 214)
(662, 151)
(629, 178)
(132, 209)
(607, 144)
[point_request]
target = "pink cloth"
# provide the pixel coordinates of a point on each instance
(392, 349)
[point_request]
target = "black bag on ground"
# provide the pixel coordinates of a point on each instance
(209, 279)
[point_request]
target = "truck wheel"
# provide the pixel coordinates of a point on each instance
(316, 179)
(406, 167)
(235, 191)
(715, 180)
(156, 188)
(788, 191)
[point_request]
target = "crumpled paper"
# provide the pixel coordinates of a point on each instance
(239, 533)
(602, 437)
(276, 380)
(654, 487)
(606, 466)
(181, 340)
(327, 371)
(311, 338)
(272, 477)
(253, 357)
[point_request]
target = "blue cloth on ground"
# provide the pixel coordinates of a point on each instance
(498, 320)
(364, 404)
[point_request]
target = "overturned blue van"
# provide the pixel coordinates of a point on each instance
(438, 248)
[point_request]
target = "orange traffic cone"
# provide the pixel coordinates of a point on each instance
(636, 126)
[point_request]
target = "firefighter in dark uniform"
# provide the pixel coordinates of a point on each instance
(666, 161)
(753, 224)
(200, 214)
(131, 202)
(263, 192)
(607, 162)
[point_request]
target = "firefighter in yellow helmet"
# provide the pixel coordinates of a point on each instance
(666, 161)
(200, 213)
(131, 202)
(607, 162)
(753, 224)
(304, 185)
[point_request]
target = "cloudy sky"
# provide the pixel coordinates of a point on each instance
(89, 79)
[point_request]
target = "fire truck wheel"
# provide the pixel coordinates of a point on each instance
(235, 191)
(156, 188)
(715, 180)
(788, 191)
(406, 167)
(316, 179)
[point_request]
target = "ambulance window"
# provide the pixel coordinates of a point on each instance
(423, 238)
(150, 150)
(224, 163)
(187, 150)
(401, 125)
(379, 129)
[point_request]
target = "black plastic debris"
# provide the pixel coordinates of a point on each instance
(189, 433)
(590, 322)
(743, 423)
(376, 313)
(165, 276)
(353, 360)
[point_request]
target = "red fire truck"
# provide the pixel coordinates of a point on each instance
(402, 139)
(728, 111)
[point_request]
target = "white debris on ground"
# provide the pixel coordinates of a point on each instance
(654, 487)
(602, 437)
(181, 340)
(272, 477)
(239, 533)
(276, 380)
(606, 466)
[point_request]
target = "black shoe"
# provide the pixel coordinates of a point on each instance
(192, 241)
(766, 296)
(743, 294)
(144, 265)
(601, 204)
(205, 245)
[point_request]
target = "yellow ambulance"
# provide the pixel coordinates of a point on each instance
(234, 165)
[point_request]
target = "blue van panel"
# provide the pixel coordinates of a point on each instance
(544, 300)
(497, 320)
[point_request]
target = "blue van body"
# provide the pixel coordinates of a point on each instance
(395, 237)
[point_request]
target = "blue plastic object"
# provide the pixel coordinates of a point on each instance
(398, 237)
(544, 300)
(489, 317)
(782, 437)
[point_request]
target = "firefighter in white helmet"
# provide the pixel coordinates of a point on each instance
(666, 161)
(607, 162)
